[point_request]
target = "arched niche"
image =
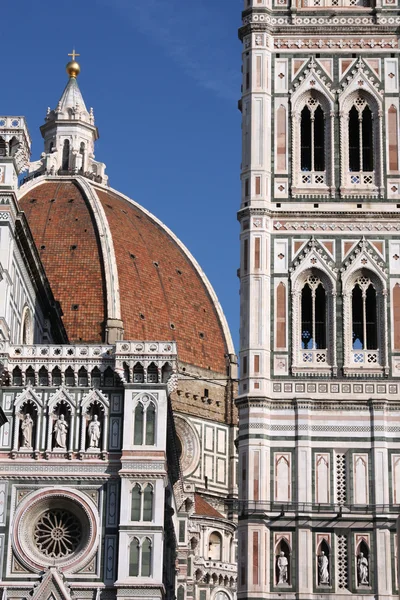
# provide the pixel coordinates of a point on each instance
(323, 563)
(282, 563)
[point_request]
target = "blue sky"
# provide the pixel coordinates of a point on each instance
(163, 77)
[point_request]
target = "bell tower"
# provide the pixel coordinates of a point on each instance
(319, 394)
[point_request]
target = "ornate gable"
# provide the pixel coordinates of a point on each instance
(52, 587)
(60, 395)
(28, 394)
(361, 77)
(313, 255)
(95, 396)
(364, 256)
(311, 77)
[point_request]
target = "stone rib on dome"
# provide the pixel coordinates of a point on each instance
(163, 293)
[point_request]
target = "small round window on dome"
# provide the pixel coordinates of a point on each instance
(155, 264)
(172, 326)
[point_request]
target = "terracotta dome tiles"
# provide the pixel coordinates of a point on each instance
(159, 282)
(162, 294)
(66, 238)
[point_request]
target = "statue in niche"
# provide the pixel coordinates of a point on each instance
(362, 564)
(27, 431)
(323, 569)
(94, 432)
(282, 563)
(60, 433)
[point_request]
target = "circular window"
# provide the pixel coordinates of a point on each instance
(57, 533)
(55, 525)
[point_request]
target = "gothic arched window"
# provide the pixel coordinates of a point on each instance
(365, 318)
(136, 502)
(313, 315)
(312, 137)
(361, 156)
(361, 127)
(142, 503)
(145, 425)
(150, 424)
(134, 558)
(140, 558)
(313, 322)
(146, 558)
(364, 315)
(139, 420)
(148, 503)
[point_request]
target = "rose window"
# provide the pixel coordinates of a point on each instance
(57, 533)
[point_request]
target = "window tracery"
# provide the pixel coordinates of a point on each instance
(364, 321)
(312, 141)
(140, 557)
(361, 144)
(57, 533)
(145, 424)
(313, 323)
(142, 503)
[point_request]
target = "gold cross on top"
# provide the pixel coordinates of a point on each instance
(73, 54)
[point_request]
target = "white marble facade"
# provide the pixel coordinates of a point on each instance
(319, 397)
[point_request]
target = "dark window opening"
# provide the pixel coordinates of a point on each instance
(306, 139)
(65, 156)
(364, 313)
(368, 154)
(354, 140)
(313, 318)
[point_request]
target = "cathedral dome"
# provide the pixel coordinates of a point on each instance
(118, 272)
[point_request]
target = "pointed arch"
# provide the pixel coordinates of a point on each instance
(138, 425)
(312, 141)
(136, 502)
(134, 551)
(365, 319)
(361, 141)
(147, 551)
(148, 500)
(150, 424)
(313, 319)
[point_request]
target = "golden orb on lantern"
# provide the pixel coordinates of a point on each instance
(73, 67)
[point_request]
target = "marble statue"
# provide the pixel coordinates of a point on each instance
(27, 430)
(61, 431)
(94, 432)
(323, 569)
(362, 570)
(282, 568)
